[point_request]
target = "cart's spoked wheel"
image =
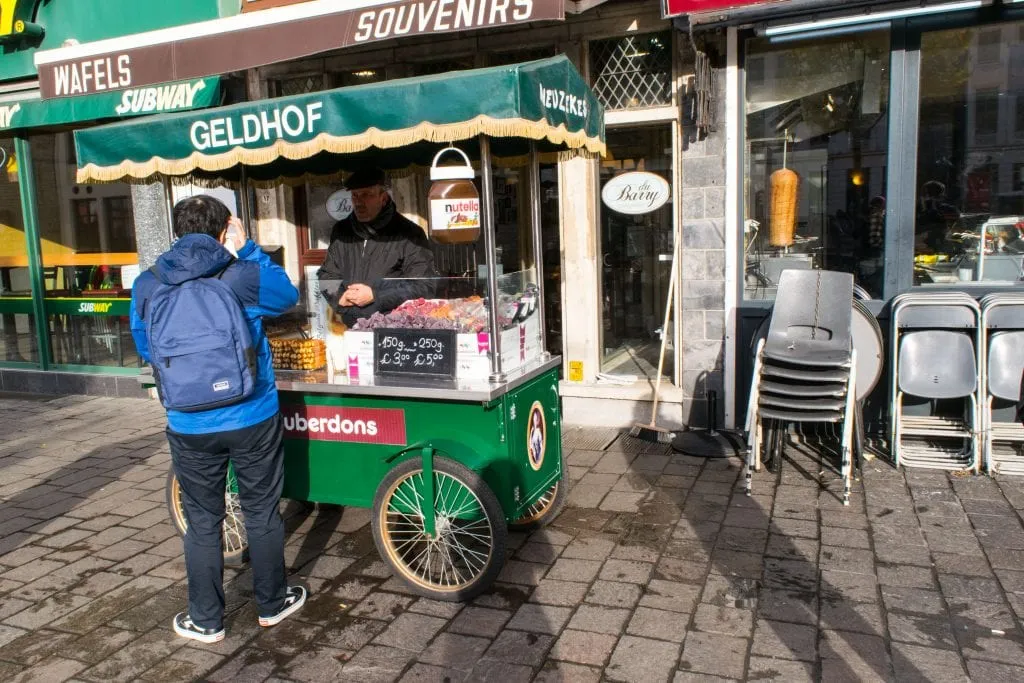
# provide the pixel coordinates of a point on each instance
(464, 555)
(236, 543)
(545, 508)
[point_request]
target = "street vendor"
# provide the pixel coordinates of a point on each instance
(377, 258)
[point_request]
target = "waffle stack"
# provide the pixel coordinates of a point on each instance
(298, 354)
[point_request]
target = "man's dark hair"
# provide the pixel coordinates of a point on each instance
(200, 215)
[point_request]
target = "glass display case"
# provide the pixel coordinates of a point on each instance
(443, 334)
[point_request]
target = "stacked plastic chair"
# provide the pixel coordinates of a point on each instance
(805, 369)
(935, 361)
(1002, 340)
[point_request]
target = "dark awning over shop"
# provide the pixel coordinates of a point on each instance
(270, 36)
(545, 100)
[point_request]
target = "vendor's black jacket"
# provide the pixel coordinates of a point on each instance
(360, 254)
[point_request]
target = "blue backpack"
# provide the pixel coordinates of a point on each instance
(200, 346)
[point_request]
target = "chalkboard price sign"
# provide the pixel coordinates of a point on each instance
(414, 352)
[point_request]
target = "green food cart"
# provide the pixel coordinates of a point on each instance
(451, 436)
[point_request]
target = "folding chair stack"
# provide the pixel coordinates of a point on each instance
(805, 369)
(935, 361)
(1002, 340)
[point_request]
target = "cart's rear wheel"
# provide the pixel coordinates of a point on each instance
(467, 550)
(545, 508)
(236, 544)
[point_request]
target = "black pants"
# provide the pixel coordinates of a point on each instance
(201, 464)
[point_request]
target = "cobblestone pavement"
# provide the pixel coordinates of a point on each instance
(659, 570)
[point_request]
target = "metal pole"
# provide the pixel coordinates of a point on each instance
(27, 184)
(244, 190)
(538, 246)
(169, 205)
(487, 218)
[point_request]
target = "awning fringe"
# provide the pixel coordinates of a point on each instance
(579, 142)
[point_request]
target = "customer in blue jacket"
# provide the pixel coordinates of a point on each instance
(248, 433)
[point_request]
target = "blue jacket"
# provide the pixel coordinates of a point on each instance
(262, 287)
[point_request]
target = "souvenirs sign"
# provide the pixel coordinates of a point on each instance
(273, 35)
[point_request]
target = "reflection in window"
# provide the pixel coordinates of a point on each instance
(87, 240)
(17, 340)
(816, 154)
(986, 112)
(970, 200)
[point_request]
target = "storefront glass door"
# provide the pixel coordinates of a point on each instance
(636, 256)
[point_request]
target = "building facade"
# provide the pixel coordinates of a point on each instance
(901, 123)
(900, 120)
(68, 252)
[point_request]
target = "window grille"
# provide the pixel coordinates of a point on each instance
(299, 85)
(632, 71)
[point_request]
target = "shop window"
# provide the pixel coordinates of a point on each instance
(359, 76)
(968, 223)
(816, 150)
(442, 66)
(990, 44)
(17, 337)
(755, 72)
(636, 254)
(89, 258)
(298, 85)
(633, 71)
(986, 112)
(524, 55)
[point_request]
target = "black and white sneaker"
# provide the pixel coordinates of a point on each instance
(293, 600)
(186, 628)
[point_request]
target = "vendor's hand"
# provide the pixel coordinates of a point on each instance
(235, 233)
(357, 295)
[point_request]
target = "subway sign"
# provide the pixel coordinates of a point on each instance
(16, 21)
(87, 307)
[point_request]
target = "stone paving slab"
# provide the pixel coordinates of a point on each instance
(659, 570)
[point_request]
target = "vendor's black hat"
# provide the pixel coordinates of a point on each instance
(367, 176)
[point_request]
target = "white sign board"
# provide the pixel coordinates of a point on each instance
(636, 193)
(128, 275)
(315, 304)
(339, 205)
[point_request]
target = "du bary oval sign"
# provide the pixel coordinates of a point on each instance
(635, 193)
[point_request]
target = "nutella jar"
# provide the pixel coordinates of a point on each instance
(454, 202)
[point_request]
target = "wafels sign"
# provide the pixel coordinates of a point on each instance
(257, 38)
(351, 425)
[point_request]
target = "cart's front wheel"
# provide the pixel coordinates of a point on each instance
(236, 544)
(464, 555)
(545, 508)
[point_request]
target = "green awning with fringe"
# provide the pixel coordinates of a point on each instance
(394, 124)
